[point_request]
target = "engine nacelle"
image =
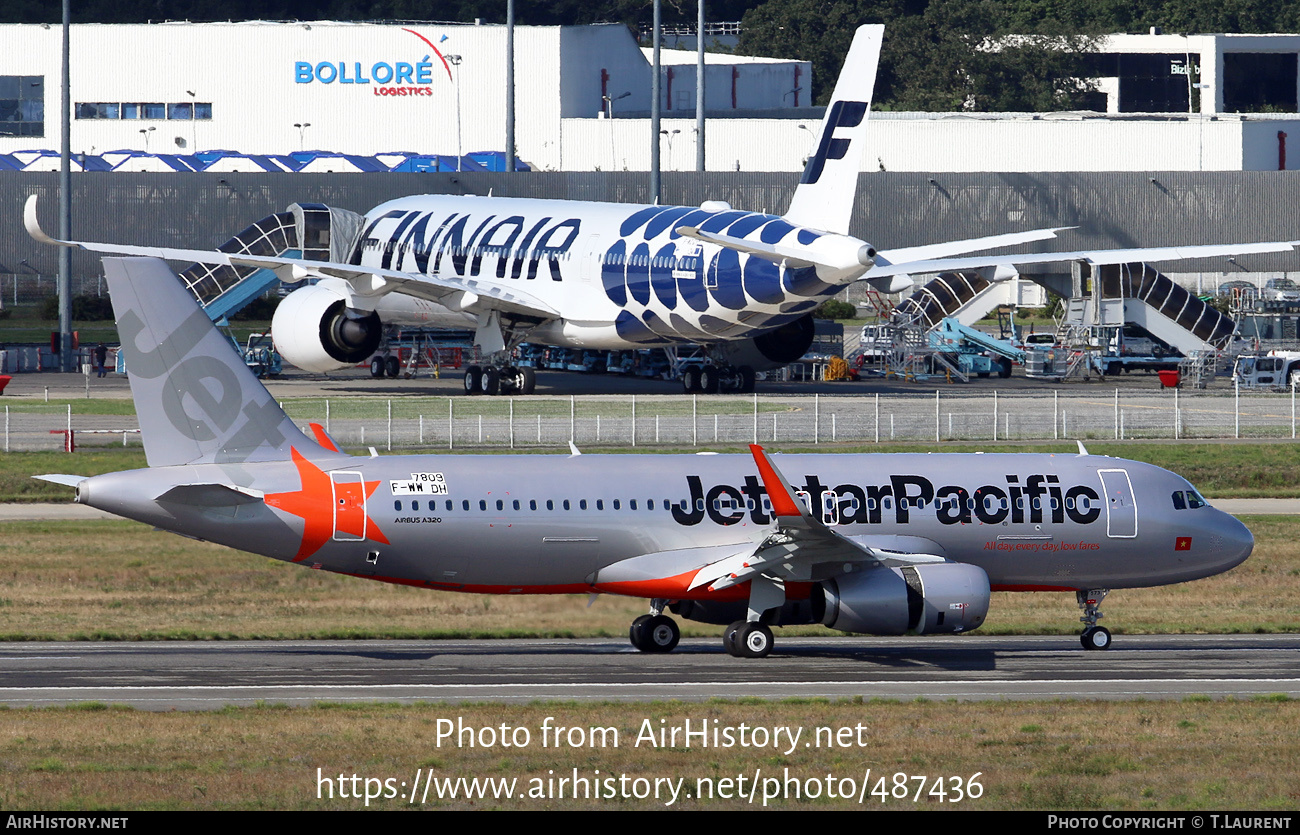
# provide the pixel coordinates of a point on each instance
(923, 599)
(775, 348)
(315, 330)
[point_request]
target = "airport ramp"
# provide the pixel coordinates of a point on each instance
(310, 231)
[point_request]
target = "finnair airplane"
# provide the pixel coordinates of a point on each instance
(879, 544)
(577, 274)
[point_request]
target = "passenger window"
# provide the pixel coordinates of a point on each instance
(397, 505)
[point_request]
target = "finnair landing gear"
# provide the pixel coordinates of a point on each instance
(655, 632)
(1094, 637)
(381, 365)
(492, 379)
(711, 379)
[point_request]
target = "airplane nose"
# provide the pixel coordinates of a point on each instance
(1236, 542)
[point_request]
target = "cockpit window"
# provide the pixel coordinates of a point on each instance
(1188, 499)
(1179, 502)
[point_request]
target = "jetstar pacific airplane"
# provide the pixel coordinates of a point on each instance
(576, 274)
(881, 544)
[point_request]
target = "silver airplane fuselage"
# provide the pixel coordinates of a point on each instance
(546, 524)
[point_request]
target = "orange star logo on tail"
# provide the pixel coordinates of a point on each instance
(327, 507)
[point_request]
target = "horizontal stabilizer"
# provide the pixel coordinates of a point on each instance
(210, 495)
(62, 478)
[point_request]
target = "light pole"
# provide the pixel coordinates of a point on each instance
(145, 132)
(455, 60)
(670, 135)
(609, 103)
(302, 132)
(194, 121)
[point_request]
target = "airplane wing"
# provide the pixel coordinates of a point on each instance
(799, 548)
(368, 283)
(885, 266)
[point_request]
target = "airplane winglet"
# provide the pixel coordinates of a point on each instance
(573, 450)
(1082, 449)
(34, 225)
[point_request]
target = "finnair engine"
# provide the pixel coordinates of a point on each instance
(316, 330)
(774, 348)
(922, 599)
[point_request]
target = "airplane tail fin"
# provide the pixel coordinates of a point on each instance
(197, 401)
(824, 198)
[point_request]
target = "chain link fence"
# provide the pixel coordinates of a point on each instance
(649, 421)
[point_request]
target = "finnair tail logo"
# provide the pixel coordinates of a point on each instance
(844, 114)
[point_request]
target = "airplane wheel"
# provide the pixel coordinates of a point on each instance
(1095, 638)
(473, 379)
(654, 633)
(491, 380)
(691, 379)
(729, 638)
(377, 367)
(661, 634)
(754, 640)
(746, 379)
(527, 380)
(636, 632)
(709, 379)
(392, 366)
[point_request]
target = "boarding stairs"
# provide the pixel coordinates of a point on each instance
(309, 231)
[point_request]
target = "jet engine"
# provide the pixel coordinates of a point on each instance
(775, 348)
(315, 330)
(923, 599)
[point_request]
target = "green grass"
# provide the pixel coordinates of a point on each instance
(1088, 757)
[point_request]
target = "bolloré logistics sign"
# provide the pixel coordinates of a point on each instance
(384, 78)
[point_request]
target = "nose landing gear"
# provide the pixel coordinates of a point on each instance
(1094, 637)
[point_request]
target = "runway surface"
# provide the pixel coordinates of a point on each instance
(203, 675)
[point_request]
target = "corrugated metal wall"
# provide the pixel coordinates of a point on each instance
(893, 209)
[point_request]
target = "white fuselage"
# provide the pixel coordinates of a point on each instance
(619, 275)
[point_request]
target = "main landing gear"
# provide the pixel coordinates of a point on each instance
(711, 379)
(493, 379)
(747, 639)
(656, 632)
(1094, 637)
